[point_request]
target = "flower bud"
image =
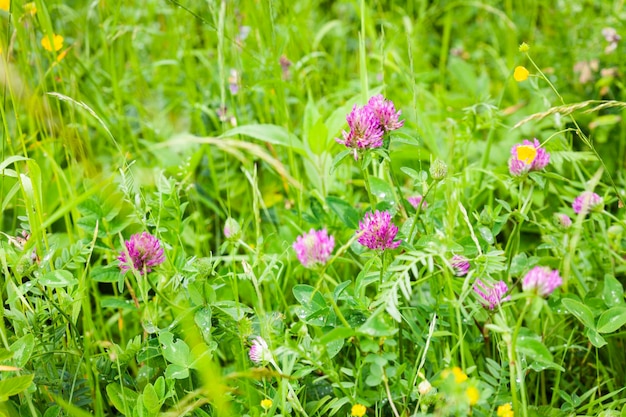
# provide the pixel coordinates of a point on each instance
(438, 169)
(232, 230)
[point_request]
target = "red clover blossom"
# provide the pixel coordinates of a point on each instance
(259, 351)
(314, 248)
(460, 264)
(491, 296)
(541, 280)
(529, 156)
(385, 112)
(417, 201)
(377, 232)
(586, 202)
(143, 251)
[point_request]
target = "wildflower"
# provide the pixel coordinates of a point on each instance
(524, 47)
(358, 410)
(586, 70)
(266, 403)
(57, 43)
(5, 5)
(491, 296)
(460, 264)
(505, 410)
(473, 395)
(365, 131)
(612, 37)
(233, 81)
(520, 74)
(386, 113)
(30, 8)
(314, 248)
(418, 201)
(259, 351)
(424, 387)
(438, 169)
(562, 220)
(529, 156)
(232, 230)
(143, 251)
(377, 232)
(586, 202)
(459, 375)
(541, 280)
(285, 63)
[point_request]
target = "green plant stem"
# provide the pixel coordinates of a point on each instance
(515, 368)
(366, 179)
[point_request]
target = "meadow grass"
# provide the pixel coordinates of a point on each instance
(211, 127)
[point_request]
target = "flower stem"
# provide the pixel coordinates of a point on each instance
(515, 368)
(366, 179)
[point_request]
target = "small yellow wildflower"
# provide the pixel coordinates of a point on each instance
(5, 5)
(358, 410)
(58, 42)
(505, 410)
(459, 375)
(520, 74)
(472, 395)
(266, 404)
(524, 47)
(526, 154)
(30, 8)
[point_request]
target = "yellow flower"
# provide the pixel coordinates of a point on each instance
(505, 410)
(266, 404)
(524, 47)
(459, 375)
(520, 74)
(58, 42)
(5, 5)
(526, 153)
(358, 410)
(472, 395)
(30, 8)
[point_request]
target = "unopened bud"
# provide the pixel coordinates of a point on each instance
(438, 169)
(232, 230)
(424, 387)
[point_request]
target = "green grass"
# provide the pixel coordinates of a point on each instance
(170, 117)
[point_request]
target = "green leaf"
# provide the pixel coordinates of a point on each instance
(151, 399)
(346, 212)
(317, 137)
(177, 352)
(22, 350)
(58, 279)
(381, 189)
(105, 274)
(378, 325)
(530, 346)
(581, 311)
(124, 399)
(14, 385)
(612, 319)
(273, 134)
(613, 292)
(176, 372)
(595, 338)
(311, 299)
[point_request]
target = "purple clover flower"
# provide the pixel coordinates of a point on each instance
(314, 248)
(365, 131)
(416, 201)
(541, 280)
(386, 113)
(586, 202)
(377, 232)
(562, 220)
(491, 296)
(259, 351)
(460, 264)
(143, 251)
(528, 156)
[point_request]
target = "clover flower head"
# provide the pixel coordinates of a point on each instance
(541, 280)
(365, 131)
(528, 156)
(424, 387)
(259, 351)
(491, 296)
(562, 220)
(266, 403)
(416, 201)
(438, 169)
(232, 230)
(377, 232)
(386, 113)
(314, 248)
(460, 264)
(586, 202)
(143, 251)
